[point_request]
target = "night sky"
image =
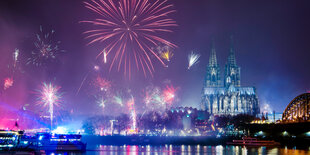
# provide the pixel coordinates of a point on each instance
(271, 39)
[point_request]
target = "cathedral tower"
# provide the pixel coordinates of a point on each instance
(230, 99)
(213, 77)
(232, 71)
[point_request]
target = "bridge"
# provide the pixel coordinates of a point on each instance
(298, 110)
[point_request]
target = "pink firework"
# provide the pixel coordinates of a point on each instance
(8, 82)
(102, 83)
(49, 94)
(169, 94)
(133, 115)
(129, 28)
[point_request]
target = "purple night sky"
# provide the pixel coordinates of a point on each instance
(271, 41)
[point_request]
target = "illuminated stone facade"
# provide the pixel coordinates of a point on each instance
(227, 97)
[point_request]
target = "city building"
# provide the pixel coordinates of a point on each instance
(226, 96)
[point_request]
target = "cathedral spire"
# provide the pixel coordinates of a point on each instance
(212, 59)
(213, 70)
(232, 71)
(231, 57)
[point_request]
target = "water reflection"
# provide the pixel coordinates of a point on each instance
(219, 149)
(244, 150)
(192, 149)
(179, 149)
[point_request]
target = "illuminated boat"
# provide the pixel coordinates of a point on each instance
(9, 139)
(248, 141)
(60, 142)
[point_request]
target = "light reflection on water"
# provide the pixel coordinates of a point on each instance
(178, 149)
(189, 149)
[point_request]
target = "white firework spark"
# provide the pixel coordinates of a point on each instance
(192, 59)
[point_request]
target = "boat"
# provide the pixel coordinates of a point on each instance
(249, 141)
(9, 139)
(60, 142)
(27, 143)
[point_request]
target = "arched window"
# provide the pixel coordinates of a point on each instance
(228, 80)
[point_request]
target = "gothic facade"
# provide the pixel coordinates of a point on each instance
(226, 96)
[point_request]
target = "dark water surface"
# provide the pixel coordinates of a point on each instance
(176, 149)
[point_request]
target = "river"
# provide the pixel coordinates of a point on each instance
(180, 149)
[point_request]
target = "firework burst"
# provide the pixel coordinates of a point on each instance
(164, 52)
(15, 57)
(8, 82)
(157, 99)
(102, 83)
(153, 99)
(49, 96)
(104, 56)
(96, 68)
(192, 59)
(46, 49)
(118, 100)
(133, 115)
(129, 29)
(166, 55)
(102, 102)
(169, 94)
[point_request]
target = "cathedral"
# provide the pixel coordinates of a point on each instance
(227, 97)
